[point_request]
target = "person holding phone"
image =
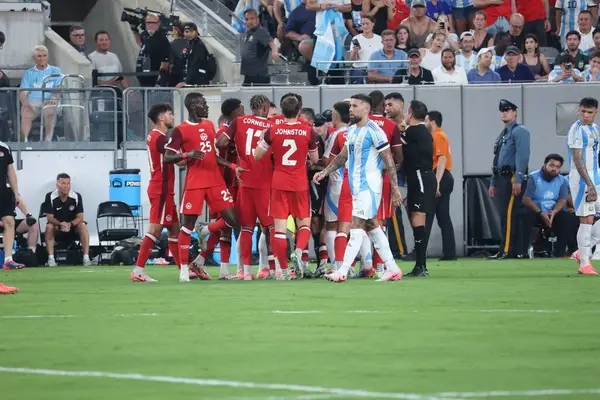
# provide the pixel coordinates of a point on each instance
(566, 72)
(361, 48)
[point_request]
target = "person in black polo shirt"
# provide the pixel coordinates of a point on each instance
(64, 210)
(258, 44)
(415, 74)
(417, 146)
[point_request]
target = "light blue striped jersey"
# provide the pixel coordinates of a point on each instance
(461, 3)
(33, 78)
(584, 137)
(364, 161)
(570, 14)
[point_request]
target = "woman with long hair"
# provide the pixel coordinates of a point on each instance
(402, 38)
(537, 63)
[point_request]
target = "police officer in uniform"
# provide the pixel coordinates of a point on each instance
(509, 176)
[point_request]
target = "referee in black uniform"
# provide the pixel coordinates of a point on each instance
(417, 146)
(9, 198)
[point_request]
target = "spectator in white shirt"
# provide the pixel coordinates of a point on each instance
(448, 72)
(585, 21)
(363, 45)
(567, 72)
(466, 59)
(592, 74)
(106, 62)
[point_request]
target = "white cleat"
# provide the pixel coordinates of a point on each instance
(296, 259)
(336, 277)
(51, 262)
(284, 276)
(184, 274)
(389, 276)
(87, 262)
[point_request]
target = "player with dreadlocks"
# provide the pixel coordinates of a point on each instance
(230, 110)
(255, 186)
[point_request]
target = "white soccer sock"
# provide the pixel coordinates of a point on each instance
(330, 243)
(277, 266)
(352, 249)
(224, 269)
(263, 252)
(584, 242)
(366, 256)
(240, 264)
(380, 241)
(247, 269)
(138, 270)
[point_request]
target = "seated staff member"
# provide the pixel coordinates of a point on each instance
(64, 211)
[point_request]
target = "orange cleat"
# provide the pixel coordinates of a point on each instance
(199, 273)
(141, 278)
(8, 289)
(389, 276)
(588, 270)
(575, 256)
(263, 273)
(248, 277)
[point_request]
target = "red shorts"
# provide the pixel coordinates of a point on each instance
(216, 214)
(252, 204)
(162, 209)
(345, 203)
(386, 207)
(217, 197)
(285, 203)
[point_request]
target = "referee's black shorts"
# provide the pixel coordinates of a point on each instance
(317, 197)
(420, 191)
(7, 203)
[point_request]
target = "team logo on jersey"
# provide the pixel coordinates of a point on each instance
(169, 218)
(188, 206)
(204, 136)
(71, 208)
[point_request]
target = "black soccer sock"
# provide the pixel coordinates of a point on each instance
(420, 245)
(316, 242)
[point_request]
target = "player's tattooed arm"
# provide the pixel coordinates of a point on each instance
(577, 155)
(390, 167)
(336, 163)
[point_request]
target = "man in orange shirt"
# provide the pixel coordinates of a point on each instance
(442, 165)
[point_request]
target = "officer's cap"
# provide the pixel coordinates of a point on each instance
(506, 105)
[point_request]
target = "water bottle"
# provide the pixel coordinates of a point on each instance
(101, 105)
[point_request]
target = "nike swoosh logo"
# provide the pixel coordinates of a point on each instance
(59, 208)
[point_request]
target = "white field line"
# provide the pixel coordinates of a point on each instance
(75, 316)
(296, 312)
(416, 311)
(520, 393)
(299, 397)
(508, 311)
(222, 383)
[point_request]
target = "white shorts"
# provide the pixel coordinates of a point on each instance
(332, 199)
(365, 204)
(578, 192)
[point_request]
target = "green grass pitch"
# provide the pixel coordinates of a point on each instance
(474, 329)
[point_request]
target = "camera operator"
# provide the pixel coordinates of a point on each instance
(196, 69)
(154, 53)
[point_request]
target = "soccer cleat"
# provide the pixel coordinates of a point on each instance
(240, 274)
(263, 273)
(389, 276)
(228, 277)
(10, 265)
(8, 289)
(87, 262)
(51, 262)
(285, 275)
(498, 256)
(296, 259)
(335, 277)
(306, 272)
(184, 274)
(320, 271)
(199, 273)
(576, 256)
(141, 278)
(588, 270)
(351, 273)
(366, 273)
(248, 277)
(417, 271)
(202, 231)
(272, 275)
(198, 262)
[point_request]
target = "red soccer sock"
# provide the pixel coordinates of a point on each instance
(376, 258)
(271, 261)
(225, 249)
(184, 244)
(215, 227)
(323, 255)
(211, 243)
(305, 255)
(174, 250)
(246, 246)
(341, 241)
(145, 249)
(280, 249)
(303, 237)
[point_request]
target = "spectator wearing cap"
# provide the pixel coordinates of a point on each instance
(483, 73)
(257, 46)
(196, 69)
(586, 29)
(107, 62)
(466, 58)
(381, 70)
(536, 14)
(592, 74)
(566, 72)
(514, 71)
(596, 48)
(437, 9)
(509, 177)
(448, 73)
(415, 74)
(498, 13)
(419, 24)
(515, 30)
(573, 39)
(361, 48)
(77, 39)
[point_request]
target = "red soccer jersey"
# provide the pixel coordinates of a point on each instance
(290, 142)
(198, 136)
(162, 176)
(531, 10)
(227, 153)
(389, 127)
(280, 119)
(245, 132)
(338, 145)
